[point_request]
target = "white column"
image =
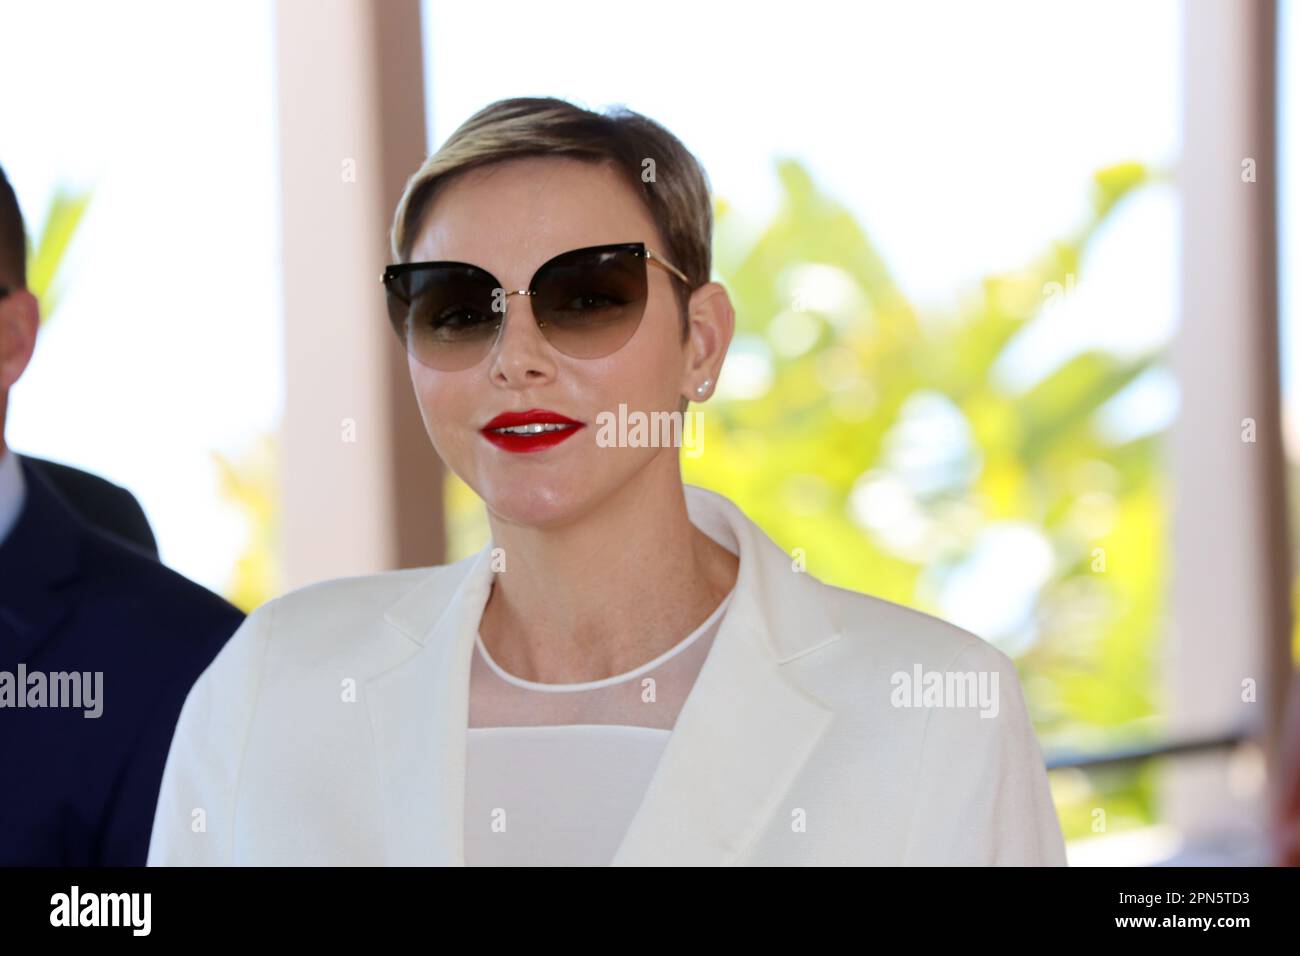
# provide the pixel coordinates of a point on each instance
(1230, 586)
(361, 485)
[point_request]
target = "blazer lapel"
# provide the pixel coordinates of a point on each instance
(745, 729)
(419, 711)
(743, 732)
(739, 741)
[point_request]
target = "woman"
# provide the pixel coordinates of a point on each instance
(631, 671)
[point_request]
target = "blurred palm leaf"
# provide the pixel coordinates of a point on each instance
(249, 483)
(46, 256)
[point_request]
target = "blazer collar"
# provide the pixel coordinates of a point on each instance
(739, 739)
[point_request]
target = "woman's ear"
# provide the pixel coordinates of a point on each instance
(712, 324)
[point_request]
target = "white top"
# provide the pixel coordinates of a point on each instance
(555, 772)
(12, 492)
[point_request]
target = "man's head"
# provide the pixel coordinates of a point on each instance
(19, 315)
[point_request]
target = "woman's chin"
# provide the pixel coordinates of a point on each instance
(538, 503)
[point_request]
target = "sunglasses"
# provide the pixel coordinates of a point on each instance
(587, 304)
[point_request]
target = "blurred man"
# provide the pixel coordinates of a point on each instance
(99, 645)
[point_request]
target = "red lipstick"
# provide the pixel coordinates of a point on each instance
(538, 429)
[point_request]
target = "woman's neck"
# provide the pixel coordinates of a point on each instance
(601, 596)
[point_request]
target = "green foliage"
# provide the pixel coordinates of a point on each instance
(46, 255)
(249, 482)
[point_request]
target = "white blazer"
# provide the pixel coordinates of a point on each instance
(331, 730)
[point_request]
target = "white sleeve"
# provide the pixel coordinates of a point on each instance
(982, 796)
(194, 820)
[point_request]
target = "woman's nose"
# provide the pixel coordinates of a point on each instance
(521, 351)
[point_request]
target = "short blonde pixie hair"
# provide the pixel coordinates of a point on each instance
(669, 180)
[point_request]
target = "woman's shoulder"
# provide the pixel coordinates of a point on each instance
(334, 619)
(879, 646)
(891, 635)
(923, 677)
(361, 594)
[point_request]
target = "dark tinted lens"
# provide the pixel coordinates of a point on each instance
(589, 304)
(444, 314)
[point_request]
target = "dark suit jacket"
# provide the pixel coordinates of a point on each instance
(105, 505)
(77, 790)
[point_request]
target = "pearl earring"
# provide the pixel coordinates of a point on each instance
(703, 386)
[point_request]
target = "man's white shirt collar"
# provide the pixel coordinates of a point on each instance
(12, 492)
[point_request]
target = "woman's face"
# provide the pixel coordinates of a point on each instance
(509, 219)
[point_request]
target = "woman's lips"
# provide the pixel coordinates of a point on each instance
(539, 428)
(526, 443)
